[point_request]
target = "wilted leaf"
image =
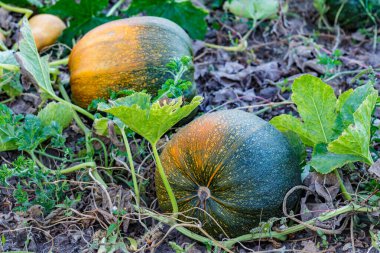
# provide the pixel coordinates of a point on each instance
(151, 121)
(375, 169)
(255, 9)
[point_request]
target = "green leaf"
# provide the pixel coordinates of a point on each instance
(355, 139)
(84, 16)
(35, 67)
(9, 80)
(342, 99)
(183, 12)
(9, 123)
(315, 102)
(101, 126)
(58, 112)
(352, 103)
(325, 162)
(286, 122)
(320, 6)
(254, 9)
(151, 121)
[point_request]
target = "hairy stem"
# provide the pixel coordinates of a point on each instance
(37, 161)
(59, 62)
(352, 207)
(165, 181)
(57, 158)
(78, 167)
(27, 13)
(104, 150)
(345, 193)
(131, 165)
(115, 7)
(87, 134)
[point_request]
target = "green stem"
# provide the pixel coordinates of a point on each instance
(131, 165)
(37, 161)
(59, 62)
(76, 108)
(165, 181)
(87, 133)
(352, 207)
(98, 178)
(238, 48)
(58, 158)
(114, 8)
(77, 167)
(345, 193)
(7, 100)
(10, 67)
(104, 150)
(27, 13)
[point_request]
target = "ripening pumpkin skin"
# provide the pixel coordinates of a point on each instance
(126, 54)
(232, 164)
(46, 29)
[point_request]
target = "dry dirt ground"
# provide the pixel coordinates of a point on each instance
(257, 80)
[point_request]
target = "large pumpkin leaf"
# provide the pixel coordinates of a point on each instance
(350, 105)
(315, 102)
(254, 9)
(287, 122)
(151, 121)
(355, 139)
(58, 112)
(190, 17)
(84, 16)
(342, 99)
(325, 162)
(36, 67)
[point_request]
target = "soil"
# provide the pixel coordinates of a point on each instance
(255, 80)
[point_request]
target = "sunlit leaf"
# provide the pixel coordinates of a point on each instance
(315, 102)
(151, 121)
(355, 139)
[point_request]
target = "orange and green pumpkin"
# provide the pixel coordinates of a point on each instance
(126, 54)
(231, 165)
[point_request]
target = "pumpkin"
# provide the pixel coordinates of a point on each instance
(353, 15)
(46, 29)
(230, 170)
(126, 54)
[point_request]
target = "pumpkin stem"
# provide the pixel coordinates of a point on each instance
(203, 194)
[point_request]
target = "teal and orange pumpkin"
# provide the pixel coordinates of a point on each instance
(232, 165)
(126, 54)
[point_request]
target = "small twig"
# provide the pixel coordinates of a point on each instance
(352, 234)
(114, 8)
